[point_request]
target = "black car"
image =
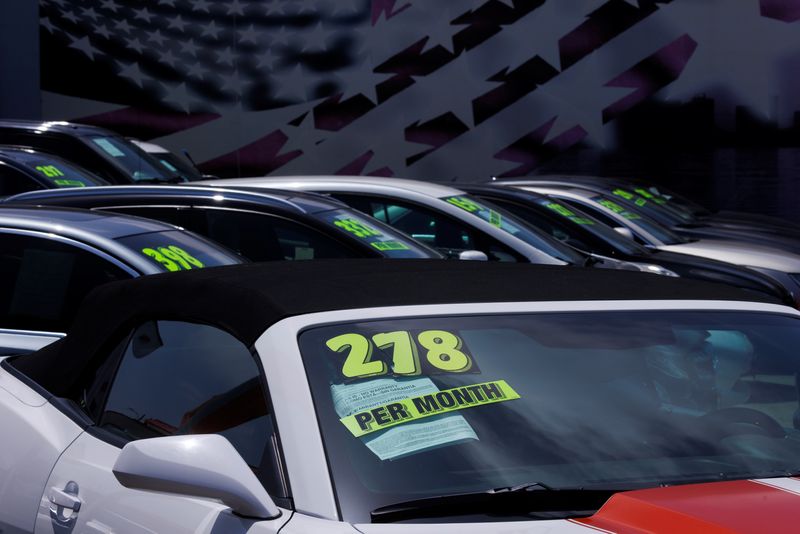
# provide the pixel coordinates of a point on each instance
(25, 169)
(258, 225)
(584, 232)
(685, 219)
(106, 154)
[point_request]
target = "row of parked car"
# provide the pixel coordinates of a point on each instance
(652, 347)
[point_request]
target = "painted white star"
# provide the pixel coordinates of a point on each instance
(143, 14)
(157, 38)
(211, 30)
(189, 47)
(226, 56)
(110, 5)
(84, 45)
(90, 13)
(136, 44)
(45, 22)
(177, 23)
(133, 73)
(250, 35)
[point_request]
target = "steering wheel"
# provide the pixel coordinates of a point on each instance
(737, 421)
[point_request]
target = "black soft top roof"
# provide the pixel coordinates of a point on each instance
(246, 299)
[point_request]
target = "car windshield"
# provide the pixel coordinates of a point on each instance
(176, 250)
(653, 206)
(56, 171)
(511, 224)
(132, 160)
(673, 199)
(383, 238)
(587, 223)
(427, 406)
(177, 165)
(659, 231)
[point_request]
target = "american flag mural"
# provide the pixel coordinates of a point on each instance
(437, 90)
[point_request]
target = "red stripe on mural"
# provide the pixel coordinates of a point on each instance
(147, 124)
(742, 506)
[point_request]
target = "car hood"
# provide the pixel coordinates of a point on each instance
(740, 253)
(741, 506)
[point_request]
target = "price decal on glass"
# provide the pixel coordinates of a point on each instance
(403, 354)
(173, 258)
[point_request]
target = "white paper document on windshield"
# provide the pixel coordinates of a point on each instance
(405, 439)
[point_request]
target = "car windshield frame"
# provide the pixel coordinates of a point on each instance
(357, 508)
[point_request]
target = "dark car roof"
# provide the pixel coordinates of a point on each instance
(287, 200)
(77, 223)
(69, 128)
(246, 299)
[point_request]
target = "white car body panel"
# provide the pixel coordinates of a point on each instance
(423, 193)
(27, 341)
(35, 436)
(32, 438)
(739, 253)
(108, 507)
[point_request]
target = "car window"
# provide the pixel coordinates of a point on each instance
(42, 281)
(56, 171)
(411, 408)
(199, 380)
(176, 250)
(13, 182)
(430, 227)
(255, 236)
(131, 159)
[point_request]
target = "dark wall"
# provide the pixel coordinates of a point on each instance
(702, 95)
(19, 59)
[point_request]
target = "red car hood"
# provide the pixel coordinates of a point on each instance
(768, 506)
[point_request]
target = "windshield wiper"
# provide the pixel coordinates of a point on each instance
(515, 500)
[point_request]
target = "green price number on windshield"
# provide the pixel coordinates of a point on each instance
(63, 182)
(173, 258)
(51, 171)
(616, 208)
(627, 195)
(464, 203)
(356, 228)
(649, 196)
(384, 246)
(442, 350)
(569, 214)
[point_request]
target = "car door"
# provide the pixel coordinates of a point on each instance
(164, 378)
(43, 278)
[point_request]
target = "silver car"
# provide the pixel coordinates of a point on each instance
(444, 217)
(782, 266)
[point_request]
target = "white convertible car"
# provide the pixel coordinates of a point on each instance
(400, 396)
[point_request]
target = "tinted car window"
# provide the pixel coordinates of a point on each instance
(42, 281)
(200, 380)
(256, 236)
(179, 251)
(57, 172)
(127, 156)
(12, 181)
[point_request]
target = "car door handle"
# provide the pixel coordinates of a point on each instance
(62, 499)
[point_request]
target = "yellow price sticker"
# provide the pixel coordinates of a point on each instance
(415, 408)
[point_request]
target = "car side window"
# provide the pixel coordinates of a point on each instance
(13, 182)
(42, 281)
(256, 236)
(600, 216)
(178, 378)
(430, 227)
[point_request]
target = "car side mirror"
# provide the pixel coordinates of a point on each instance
(473, 255)
(624, 231)
(201, 465)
